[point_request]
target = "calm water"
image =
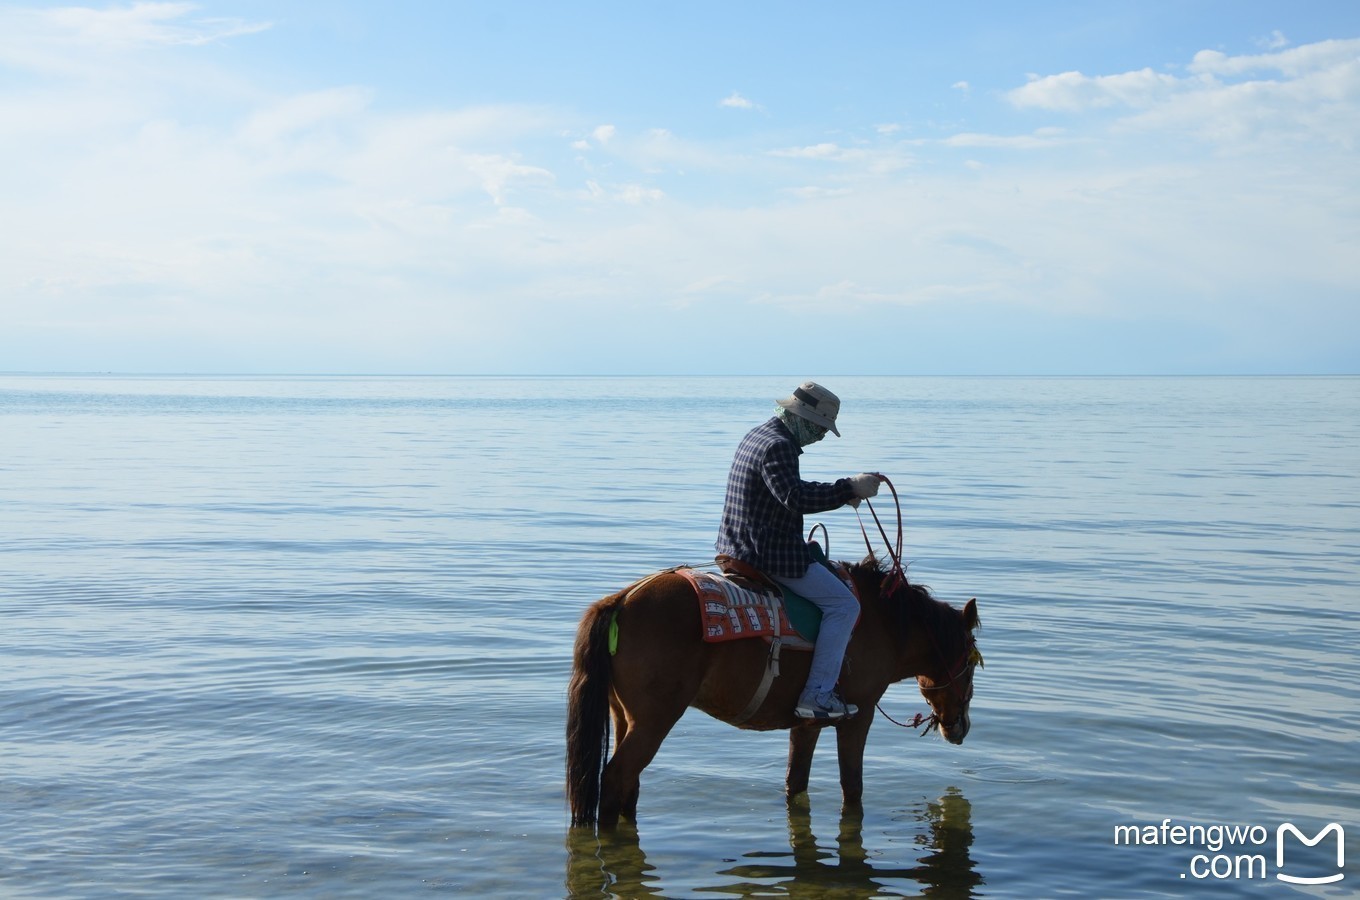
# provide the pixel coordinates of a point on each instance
(310, 636)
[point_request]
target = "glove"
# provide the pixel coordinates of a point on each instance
(865, 485)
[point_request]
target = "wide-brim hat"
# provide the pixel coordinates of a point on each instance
(815, 403)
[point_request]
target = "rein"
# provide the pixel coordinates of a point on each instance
(894, 550)
(932, 721)
(895, 576)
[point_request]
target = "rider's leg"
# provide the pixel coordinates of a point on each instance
(839, 611)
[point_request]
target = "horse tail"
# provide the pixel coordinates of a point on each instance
(588, 710)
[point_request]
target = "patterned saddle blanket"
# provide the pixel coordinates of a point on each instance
(730, 611)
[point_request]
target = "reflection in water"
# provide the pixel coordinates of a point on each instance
(949, 871)
(613, 865)
(608, 864)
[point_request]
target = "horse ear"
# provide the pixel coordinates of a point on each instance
(970, 615)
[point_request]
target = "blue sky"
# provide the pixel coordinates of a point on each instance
(709, 188)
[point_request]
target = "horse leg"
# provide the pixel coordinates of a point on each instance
(628, 805)
(802, 743)
(851, 737)
(656, 673)
(621, 782)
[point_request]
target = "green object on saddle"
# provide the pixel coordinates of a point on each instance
(803, 614)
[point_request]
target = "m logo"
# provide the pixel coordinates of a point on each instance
(1316, 839)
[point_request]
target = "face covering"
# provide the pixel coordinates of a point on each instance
(804, 432)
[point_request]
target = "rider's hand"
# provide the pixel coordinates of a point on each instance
(865, 485)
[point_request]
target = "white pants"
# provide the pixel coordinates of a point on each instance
(839, 611)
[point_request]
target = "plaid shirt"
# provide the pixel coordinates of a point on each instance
(762, 522)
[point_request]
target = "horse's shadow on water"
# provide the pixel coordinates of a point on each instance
(614, 864)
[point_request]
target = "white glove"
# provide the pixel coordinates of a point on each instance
(865, 485)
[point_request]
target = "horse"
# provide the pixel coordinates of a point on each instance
(660, 666)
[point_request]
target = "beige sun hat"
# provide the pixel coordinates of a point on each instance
(815, 403)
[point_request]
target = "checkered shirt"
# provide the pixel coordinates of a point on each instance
(762, 522)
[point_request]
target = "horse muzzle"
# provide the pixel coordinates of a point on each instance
(954, 732)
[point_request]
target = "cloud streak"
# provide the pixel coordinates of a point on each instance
(73, 41)
(1292, 94)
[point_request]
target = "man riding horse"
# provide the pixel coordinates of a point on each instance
(762, 527)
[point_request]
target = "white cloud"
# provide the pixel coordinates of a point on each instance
(1073, 91)
(292, 115)
(636, 194)
(626, 194)
(144, 24)
(840, 297)
(869, 161)
(735, 100)
(1316, 106)
(133, 214)
(1297, 94)
(603, 134)
(80, 41)
(1275, 41)
(814, 151)
(1040, 139)
(134, 25)
(660, 150)
(1292, 63)
(816, 192)
(498, 173)
(711, 284)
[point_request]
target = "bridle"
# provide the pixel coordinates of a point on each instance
(964, 665)
(966, 662)
(969, 659)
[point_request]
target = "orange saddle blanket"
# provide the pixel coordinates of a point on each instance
(730, 611)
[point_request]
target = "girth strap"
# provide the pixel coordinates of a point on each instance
(771, 670)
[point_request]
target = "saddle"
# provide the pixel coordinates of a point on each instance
(744, 603)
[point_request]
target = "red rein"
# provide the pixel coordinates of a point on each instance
(896, 575)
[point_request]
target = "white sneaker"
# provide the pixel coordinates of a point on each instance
(824, 707)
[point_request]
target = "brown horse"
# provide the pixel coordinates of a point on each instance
(663, 666)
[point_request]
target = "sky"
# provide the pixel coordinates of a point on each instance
(879, 188)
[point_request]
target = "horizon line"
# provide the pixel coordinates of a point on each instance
(112, 373)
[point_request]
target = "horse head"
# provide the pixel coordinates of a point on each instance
(948, 685)
(937, 647)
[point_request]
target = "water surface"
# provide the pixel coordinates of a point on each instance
(310, 636)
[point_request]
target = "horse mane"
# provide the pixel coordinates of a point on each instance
(909, 605)
(903, 592)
